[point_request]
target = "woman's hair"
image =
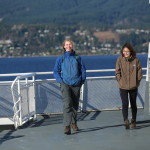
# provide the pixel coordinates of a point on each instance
(64, 44)
(131, 49)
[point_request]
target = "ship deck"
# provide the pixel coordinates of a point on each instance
(103, 130)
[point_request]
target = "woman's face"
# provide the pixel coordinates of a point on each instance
(126, 52)
(68, 46)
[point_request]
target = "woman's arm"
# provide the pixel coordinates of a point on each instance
(118, 70)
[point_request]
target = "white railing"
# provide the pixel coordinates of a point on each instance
(50, 73)
(22, 82)
(26, 80)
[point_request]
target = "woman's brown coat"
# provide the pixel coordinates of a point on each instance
(128, 72)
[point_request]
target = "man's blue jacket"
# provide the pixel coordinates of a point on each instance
(70, 69)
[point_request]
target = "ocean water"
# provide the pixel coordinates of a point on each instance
(46, 64)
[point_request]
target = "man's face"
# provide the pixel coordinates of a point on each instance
(68, 46)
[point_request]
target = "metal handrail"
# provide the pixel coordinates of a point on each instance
(45, 73)
(51, 72)
(17, 112)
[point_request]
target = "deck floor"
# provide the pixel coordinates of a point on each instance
(98, 131)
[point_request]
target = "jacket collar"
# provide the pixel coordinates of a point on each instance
(68, 53)
(131, 58)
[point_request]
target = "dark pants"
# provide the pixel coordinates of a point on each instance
(71, 95)
(125, 96)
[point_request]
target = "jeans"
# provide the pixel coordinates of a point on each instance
(127, 95)
(70, 95)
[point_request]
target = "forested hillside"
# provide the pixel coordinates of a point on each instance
(130, 13)
(38, 27)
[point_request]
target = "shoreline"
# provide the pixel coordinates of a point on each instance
(60, 54)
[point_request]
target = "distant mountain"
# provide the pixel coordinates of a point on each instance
(90, 12)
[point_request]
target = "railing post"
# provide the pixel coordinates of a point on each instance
(27, 91)
(147, 91)
(81, 98)
(33, 81)
(20, 107)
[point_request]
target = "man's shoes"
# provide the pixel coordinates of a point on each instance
(74, 127)
(127, 124)
(67, 130)
(133, 123)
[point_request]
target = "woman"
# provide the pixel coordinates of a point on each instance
(128, 75)
(70, 72)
